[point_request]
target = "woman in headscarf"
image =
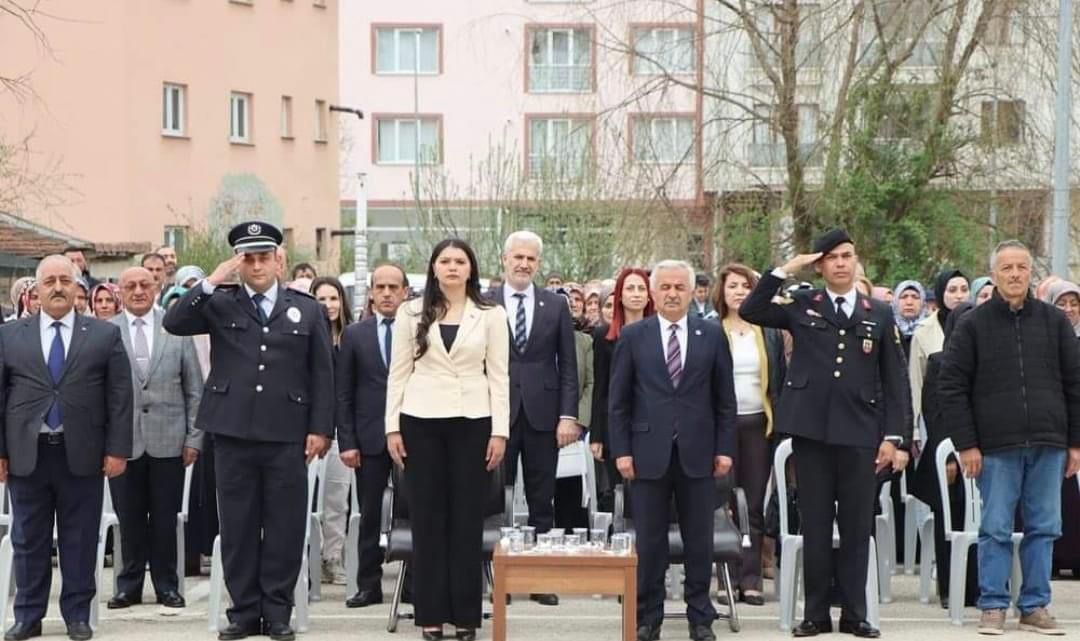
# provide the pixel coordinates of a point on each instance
(981, 290)
(29, 301)
(18, 288)
(1066, 297)
(82, 296)
(924, 483)
(950, 289)
(908, 310)
(105, 301)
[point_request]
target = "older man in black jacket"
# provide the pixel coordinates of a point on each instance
(1010, 392)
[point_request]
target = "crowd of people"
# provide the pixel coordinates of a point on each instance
(671, 380)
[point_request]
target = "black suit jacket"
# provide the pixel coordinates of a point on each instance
(95, 393)
(273, 383)
(543, 377)
(646, 411)
(847, 381)
(361, 390)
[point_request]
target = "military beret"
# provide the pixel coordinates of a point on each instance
(830, 239)
(254, 236)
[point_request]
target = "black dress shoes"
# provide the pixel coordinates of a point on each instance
(172, 599)
(235, 631)
(21, 631)
(701, 633)
(812, 628)
(431, 635)
(364, 598)
(123, 600)
(648, 633)
(279, 631)
(860, 629)
(545, 599)
(465, 634)
(79, 631)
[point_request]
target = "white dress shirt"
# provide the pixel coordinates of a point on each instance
(47, 335)
(510, 303)
(267, 304)
(148, 328)
(680, 335)
(850, 297)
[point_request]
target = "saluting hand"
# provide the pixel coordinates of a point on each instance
(395, 445)
(797, 264)
(224, 272)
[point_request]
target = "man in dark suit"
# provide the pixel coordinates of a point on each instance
(543, 379)
(362, 369)
(846, 404)
(66, 394)
(672, 429)
(269, 402)
(147, 496)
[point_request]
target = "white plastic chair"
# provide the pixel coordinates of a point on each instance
(885, 535)
(181, 522)
(352, 538)
(109, 520)
(791, 550)
(314, 546)
(916, 515)
(962, 540)
(216, 599)
(7, 557)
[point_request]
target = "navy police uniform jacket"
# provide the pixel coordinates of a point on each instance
(267, 383)
(847, 380)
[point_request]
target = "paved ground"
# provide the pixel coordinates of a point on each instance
(577, 619)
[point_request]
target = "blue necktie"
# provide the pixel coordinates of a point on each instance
(388, 324)
(519, 323)
(56, 367)
(258, 299)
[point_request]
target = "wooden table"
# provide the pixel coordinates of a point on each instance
(586, 572)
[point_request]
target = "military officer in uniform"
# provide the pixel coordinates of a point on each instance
(846, 405)
(268, 402)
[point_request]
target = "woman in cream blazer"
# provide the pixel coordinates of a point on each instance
(447, 421)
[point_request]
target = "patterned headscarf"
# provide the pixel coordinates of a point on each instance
(22, 310)
(907, 326)
(113, 290)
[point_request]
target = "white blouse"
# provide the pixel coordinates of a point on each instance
(746, 364)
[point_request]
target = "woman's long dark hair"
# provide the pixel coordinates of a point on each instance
(435, 303)
(345, 315)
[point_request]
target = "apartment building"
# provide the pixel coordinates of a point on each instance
(167, 116)
(494, 100)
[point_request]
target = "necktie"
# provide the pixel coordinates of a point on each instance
(519, 323)
(840, 307)
(56, 367)
(141, 347)
(388, 323)
(674, 356)
(258, 300)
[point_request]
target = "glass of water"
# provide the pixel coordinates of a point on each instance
(620, 544)
(517, 543)
(543, 542)
(598, 538)
(573, 541)
(530, 536)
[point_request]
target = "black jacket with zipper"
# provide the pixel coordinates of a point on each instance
(1012, 378)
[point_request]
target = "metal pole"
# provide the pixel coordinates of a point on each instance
(1062, 106)
(360, 244)
(416, 115)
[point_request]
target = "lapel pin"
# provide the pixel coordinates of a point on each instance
(697, 332)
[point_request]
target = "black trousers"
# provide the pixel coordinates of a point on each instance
(835, 482)
(262, 495)
(695, 499)
(446, 483)
(539, 452)
(751, 472)
(568, 511)
(371, 479)
(147, 497)
(51, 489)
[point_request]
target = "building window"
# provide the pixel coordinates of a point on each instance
(286, 117)
(320, 243)
(559, 147)
(808, 49)
(407, 50)
(767, 147)
(287, 237)
(320, 120)
(560, 60)
(663, 50)
(1002, 122)
(407, 141)
(175, 236)
(173, 110)
(663, 140)
(1006, 24)
(240, 118)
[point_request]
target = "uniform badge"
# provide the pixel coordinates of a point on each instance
(254, 229)
(867, 346)
(293, 314)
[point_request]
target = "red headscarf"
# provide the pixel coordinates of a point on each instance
(618, 317)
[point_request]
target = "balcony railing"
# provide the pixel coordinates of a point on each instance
(560, 78)
(775, 154)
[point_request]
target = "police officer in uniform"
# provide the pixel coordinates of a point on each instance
(268, 402)
(846, 405)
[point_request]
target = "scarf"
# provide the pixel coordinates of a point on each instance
(940, 284)
(907, 326)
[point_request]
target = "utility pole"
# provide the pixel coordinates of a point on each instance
(360, 257)
(1062, 106)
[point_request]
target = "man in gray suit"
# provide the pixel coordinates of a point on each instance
(168, 385)
(65, 420)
